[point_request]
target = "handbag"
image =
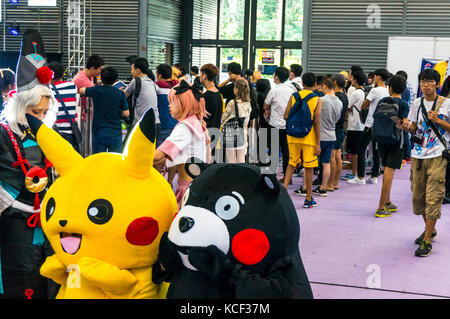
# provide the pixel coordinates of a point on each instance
(233, 132)
(75, 130)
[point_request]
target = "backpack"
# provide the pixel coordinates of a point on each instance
(297, 86)
(299, 122)
(363, 113)
(132, 101)
(384, 129)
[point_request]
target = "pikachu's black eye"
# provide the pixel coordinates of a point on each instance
(100, 211)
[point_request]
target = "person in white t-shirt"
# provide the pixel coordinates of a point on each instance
(276, 102)
(351, 88)
(355, 127)
(296, 77)
(428, 164)
(373, 97)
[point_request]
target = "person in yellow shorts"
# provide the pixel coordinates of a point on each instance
(305, 149)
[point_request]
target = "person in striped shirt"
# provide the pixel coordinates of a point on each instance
(68, 93)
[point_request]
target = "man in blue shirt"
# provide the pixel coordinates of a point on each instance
(110, 107)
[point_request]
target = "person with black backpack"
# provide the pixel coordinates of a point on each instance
(390, 139)
(373, 97)
(141, 92)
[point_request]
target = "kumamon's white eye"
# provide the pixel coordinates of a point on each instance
(185, 197)
(227, 207)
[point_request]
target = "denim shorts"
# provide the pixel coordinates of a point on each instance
(339, 140)
(326, 147)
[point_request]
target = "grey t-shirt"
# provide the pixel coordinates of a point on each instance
(147, 98)
(330, 114)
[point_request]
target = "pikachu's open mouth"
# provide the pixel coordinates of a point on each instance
(70, 242)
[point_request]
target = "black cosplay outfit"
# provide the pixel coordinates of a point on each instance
(23, 246)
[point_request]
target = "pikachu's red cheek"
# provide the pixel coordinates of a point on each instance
(142, 231)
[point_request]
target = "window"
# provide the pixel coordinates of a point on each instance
(269, 20)
(205, 19)
(293, 25)
(292, 56)
(232, 19)
(258, 34)
(227, 56)
(266, 61)
(203, 55)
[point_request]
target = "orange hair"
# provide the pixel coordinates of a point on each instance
(184, 105)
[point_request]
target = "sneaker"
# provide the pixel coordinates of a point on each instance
(300, 192)
(320, 192)
(424, 249)
(299, 173)
(382, 213)
(372, 180)
(317, 182)
(310, 203)
(420, 238)
(391, 207)
(356, 180)
(347, 177)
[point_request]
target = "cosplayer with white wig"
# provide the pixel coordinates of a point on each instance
(25, 175)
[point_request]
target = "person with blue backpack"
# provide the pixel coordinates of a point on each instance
(302, 117)
(390, 139)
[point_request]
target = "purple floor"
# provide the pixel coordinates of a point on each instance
(346, 249)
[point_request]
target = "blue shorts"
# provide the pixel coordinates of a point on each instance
(339, 140)
(326, 147)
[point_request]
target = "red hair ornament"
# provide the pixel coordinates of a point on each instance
(44, 75)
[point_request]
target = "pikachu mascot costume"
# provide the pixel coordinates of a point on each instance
(105, 216)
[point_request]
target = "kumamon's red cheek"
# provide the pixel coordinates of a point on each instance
(250, 246)
(142, 231)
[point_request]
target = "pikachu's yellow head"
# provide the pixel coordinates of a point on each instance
(114, 207)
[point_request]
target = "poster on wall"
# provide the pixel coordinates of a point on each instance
(441, 65)
(42, 3)
(268, 56)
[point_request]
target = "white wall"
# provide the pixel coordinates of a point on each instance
(406, 53)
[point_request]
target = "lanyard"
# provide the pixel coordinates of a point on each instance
(20, 160)
(30, 173)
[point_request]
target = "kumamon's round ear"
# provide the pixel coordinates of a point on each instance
(270, 183)
(194, 167)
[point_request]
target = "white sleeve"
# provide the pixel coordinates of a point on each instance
(412, 115)
(353, 100)
(269, 98)
(177, 141)
(445, 110)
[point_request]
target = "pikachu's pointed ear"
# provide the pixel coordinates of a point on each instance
(58, 151)
(139, 150)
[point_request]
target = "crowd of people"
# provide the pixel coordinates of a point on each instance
(309, 123)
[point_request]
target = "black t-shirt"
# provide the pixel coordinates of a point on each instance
(344, 99)
(227, 91)
(214, 106)
(109, 102)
